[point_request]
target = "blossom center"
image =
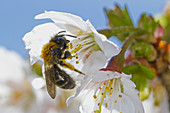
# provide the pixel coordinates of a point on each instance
(110, 88)
(83, 45)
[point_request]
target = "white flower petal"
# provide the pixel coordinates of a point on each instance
(38, 37)
(88, 103)
(64, 18)
(79, 89)
(131, 93)
(100, 76)
(95, 61)
(108, 47)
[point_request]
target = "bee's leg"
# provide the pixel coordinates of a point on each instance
(70, 66)
(67, 54)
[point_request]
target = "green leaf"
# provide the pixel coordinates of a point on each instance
(118, 17)
(147, 72)
(142, 49)
(140, 76)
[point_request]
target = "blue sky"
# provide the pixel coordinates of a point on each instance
(17, 16)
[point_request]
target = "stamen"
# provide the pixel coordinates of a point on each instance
(77, 62)
(106, 105)
(98, 104)
(103, 97)
(115, 101)
(94, 96)
(83, 46)
(120, 96)
(71, 46)
(97, 111)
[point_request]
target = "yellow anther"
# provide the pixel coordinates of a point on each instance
(71, 46)
(106, 105)
(108, 89)
(77, 62)
(120, 96)
(94, 96)
(78, 47)
(97, 111)
(102, 93)
(98, 104)
(115, 101)
(100, 88)
(77, 57)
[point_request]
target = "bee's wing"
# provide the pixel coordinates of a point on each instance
(49, 76)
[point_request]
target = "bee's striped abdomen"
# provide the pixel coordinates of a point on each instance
(62, 79)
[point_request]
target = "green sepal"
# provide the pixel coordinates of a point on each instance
(140, 76)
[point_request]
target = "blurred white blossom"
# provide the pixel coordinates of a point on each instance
(158, 99)
(11, 65)
(59, 105)
(17, 94)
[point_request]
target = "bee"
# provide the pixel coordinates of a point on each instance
(54, 55)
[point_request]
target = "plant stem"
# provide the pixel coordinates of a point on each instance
(113, 32)
(116, 63)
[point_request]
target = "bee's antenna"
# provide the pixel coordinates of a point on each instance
(61, 32)
(65, 34)
(70, 35)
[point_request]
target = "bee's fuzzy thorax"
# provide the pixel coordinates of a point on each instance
(46, 53)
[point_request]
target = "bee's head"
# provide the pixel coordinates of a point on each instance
(60, 41)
